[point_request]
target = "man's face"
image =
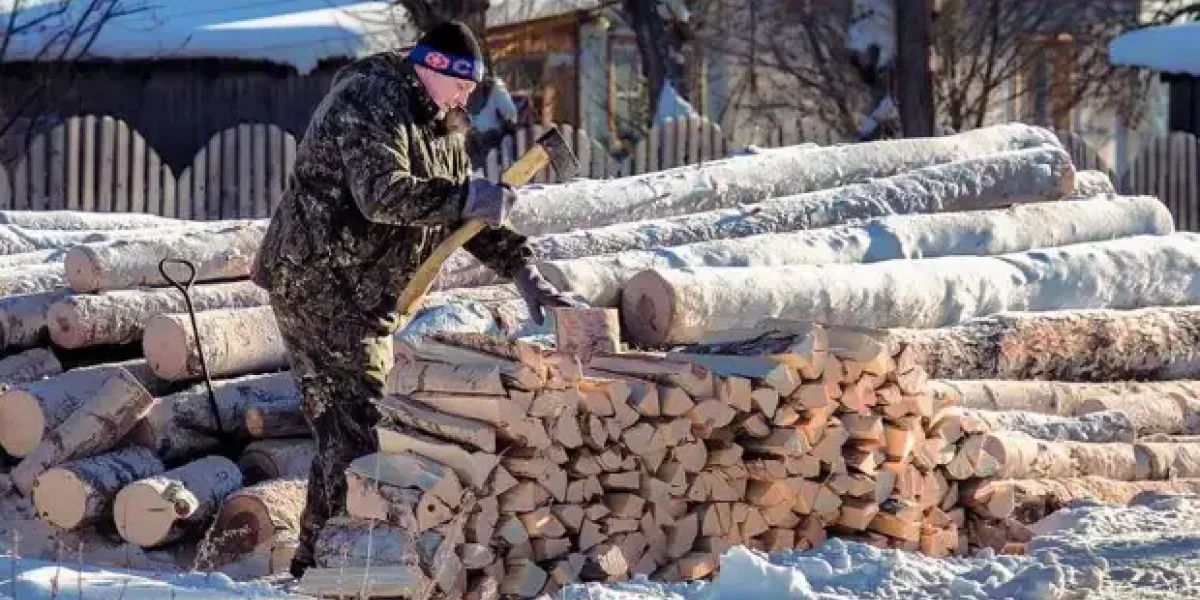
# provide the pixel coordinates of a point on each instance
(447, 92)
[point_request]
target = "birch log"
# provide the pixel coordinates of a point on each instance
(98, 425)
(598, 279)
(82, 221)
(741, 180)
(32, 279)
(182, 425)
(23, 318)
(1097, 427)
(1089, 184)
(161, 509)
(1023, 457)
(29, 365)
(123, 264)
(1036, 498)
(1049, 397)
(1085, 346)
(31, 410)
(666, 306)
(117, 317)
(277, 459)
(1167, 460)
(1149, 413)
(81, 492)
(34, 257)
(236, 341)
(254, 516)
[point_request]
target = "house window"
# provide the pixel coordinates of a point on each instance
(627, 102)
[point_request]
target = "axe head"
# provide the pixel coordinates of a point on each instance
(562, 158)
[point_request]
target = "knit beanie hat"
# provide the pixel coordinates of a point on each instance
(450, 49)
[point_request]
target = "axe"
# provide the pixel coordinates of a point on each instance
(549, 149)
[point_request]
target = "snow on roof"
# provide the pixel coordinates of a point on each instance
(296, 32)
(1166, 48)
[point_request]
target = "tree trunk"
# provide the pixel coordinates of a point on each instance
(226, 254)
(667, 306)
(253, 517)
(23, 319)
(660, 42)
(159, 510)
(277, 459)
(118, 317)
(236, 341)
(1098, 427)
(31, 410)
(1085, 346)
(29, 365)
(182, 425)
(914, 19)
(80, 492)
(599, 278)
(748, 179)
(98, 425)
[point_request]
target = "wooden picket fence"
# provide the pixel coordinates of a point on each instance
(98, 163)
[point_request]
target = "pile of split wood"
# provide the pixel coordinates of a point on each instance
(510, 467)
(1029, 292)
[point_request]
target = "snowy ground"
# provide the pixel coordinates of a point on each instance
(1092, 551)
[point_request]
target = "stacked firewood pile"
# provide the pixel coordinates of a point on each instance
(1029, 294)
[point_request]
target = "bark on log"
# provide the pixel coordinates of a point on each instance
(500, 317)
(30, 365)
(277, 459)
(273, 419)
(1098, 427)
(1049, 397)
(98, 425)
(118, 317)
(254, 516)
(34, 257)
(32, 279)
(158, 510)
(236, 341)
(598, 279)
(1036, 498)
(665, 306)
(1089, 184)
(1167, 460)
(1149, 413)
(1084, 346)
(350, 542)
(1023, 457)
(740, 180)
(129, 263)
(81, 492)
(30, 410)
(182, 425)
(23, 318)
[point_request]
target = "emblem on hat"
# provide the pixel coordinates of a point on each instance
(463, 66)
(437, 60)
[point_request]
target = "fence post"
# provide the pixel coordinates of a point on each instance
(6, 195)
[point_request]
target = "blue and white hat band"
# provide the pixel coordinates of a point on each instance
(462, 67)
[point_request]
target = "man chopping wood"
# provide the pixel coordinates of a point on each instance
(381, 177)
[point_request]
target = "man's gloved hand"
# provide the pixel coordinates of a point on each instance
(538, 292)
(489, 201)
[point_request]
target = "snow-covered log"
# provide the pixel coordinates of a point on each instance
(276, 459)
(83, 221)
(157, 510)
(33, 257)
(1097, 427)
(30, 410)
(1158, 343)
(598, 279)
(255, 516)
(667, 306)
(117, 317)
(80, 492)
(182, 425)
(29, 365)
(1049, 397)
(98, 425)
(1089, 184)
(226, 254)
(740, 180)
(23, 318)
(236, 341)
(32, 279)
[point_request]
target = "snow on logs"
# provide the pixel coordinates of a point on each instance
(1089, 184)
(161, 508)
(741, 180)
(236, 341)
(70, 220)
(1157, 343)
(117, 317)
(225, 254)
(666, 306)
(599, 279)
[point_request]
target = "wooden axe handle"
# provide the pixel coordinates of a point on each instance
(520, 173)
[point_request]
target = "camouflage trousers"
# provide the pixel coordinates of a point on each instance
(341, 365)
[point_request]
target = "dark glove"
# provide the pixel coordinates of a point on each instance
(538, 292)
(489, 201)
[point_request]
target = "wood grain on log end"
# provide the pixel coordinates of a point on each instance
(65, 505)
(65, 326)
(22, 422)
(165, 344)
(83, 270)
(648, 307)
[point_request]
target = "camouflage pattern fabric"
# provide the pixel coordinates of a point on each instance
(379, 180)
